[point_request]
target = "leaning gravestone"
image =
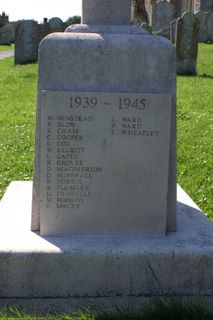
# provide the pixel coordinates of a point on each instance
(26, 42)
(187, 43)
(202, 17)
(105, 149)
(162, 14)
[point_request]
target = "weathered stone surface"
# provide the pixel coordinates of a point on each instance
(202, 17)
(162, 15)
(107, 12)
(56, 25)
(173, 31)
(89, 73)
(84, 28)
(206, 5)
(26, 42)
(78, 267)
(187, 43)
(105, 61)
(104, 163)
(7, 34)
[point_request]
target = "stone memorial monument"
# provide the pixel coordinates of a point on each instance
(104, 190)
(105, 159)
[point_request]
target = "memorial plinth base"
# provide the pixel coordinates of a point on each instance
(101, 271)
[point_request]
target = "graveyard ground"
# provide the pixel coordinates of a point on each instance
(158, 309)
(6, 47)
(195, 137)
(194, 126)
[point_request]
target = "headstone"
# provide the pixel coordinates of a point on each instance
(56, 25)
(7, 34)
(26, 42)
(202, 17)
(206, 5)
(105, 143)
(173, 30)
(162, 15)
(210, 27)
(187, 43)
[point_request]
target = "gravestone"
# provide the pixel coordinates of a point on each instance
(162, 15)
(105, 144)
(7, 34)
(187, 43)
(173, 30)
(56, 25)
(210, 27)
(206, 5)
(26, 42)
(202, 17)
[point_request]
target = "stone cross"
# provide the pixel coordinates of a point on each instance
(106, 12)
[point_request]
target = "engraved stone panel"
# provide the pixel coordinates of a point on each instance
(104, 163)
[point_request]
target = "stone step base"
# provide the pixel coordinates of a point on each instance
(93, 269)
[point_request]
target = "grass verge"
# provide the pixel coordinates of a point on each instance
(158, 309)
(195, 131)
(17, 117)
(6, 47)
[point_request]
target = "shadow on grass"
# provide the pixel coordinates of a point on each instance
(204, 75)
(162, 309)
(201, 75)
(156, 309)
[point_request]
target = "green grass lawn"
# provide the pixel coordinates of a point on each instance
(6, 47)
(17, 118)
(194, 127)
(195, 131)
(158, 309)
